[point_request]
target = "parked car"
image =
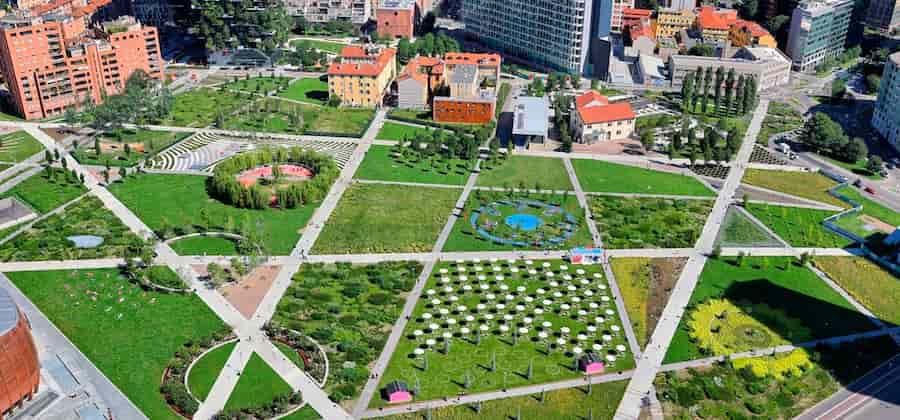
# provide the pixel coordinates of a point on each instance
(869, 190)
(857, 183)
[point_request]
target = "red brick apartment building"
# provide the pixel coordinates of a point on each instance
(399, 18)
(51, 59)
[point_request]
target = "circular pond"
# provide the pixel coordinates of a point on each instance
(526, 222)
(85, 241)
(523, 222)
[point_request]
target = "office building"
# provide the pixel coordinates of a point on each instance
(883, 15)
(886, 118)
(768, 66)
(361, 75)
(670, 22)
(20, 371)
(818, 32)
(549, 34)
(54, 62)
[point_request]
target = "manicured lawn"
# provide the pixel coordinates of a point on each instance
(527, 172)
(310, 89)
(649, 222)
(738, 231)
(207, 369)
(305, 413)
(329, 46)
(599, 176)
(446, 371)
(348, 309)
(261, 85)
(258, 385)
(572, 403)
(374, 218)
(198, 108)
(18, 146)
(493, 221)
(807, 185)
(129, 333)
(645, 284)
(44, 193)
(722, 392)
(796, 291)
(47, 239)
(870, 208)
(858, 167)
(171, 202)
(780, 118)
(209, 245)
(150, 142)
(9, 117)
(279, 116)
(798, 226)
(397, 131)
(337, 120)
(382, 164)
(869, 284)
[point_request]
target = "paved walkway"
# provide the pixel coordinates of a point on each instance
(648, 366)
(583, 202)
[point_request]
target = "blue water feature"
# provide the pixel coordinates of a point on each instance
(526, 222)
(85, 241)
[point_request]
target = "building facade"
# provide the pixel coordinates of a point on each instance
(396, 18)
(55, 62)
(679, 4)
(596, 119)
(818, 32)
(768, 66)
(672, 21)
(886, 118)
(551, 34)
(715, 24)
(618, 12)
(321, 11)
(745, 33)
(883, 15)
(20, 371)
(361, 76)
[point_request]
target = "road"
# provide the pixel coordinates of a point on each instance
(876, 395)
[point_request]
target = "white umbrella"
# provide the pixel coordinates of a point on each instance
(448, 289)
(529, 299)
(495, 268)
(547, 324)
(588, 293)
(444, 311)
(463, 278)
(418, 333)
(430, 292)
(445, 280)
(604, 298)
(582, 312)
(435, 301)
(418, 352)
(454, 298)
(470, 318)
(523, 330)
(620, 348)
(584, 281)
(514, 270)
(597, 276)
(529, 262)
(581, 337)
(451, 321)
(540, 291)
(489, 317)
(493, 260)
(467, 287)
(508, 317)
(520, 308)
(597, 347)
(482, 277)
(571, 288)
(542, 335)
(549, 274)
(510, 261)
(433, 326)
(615, 328)
(576, 299)
(527, 320)
(484, 286)
(509, 297)
(553, 284)
(545, 265)
(461, 308)
(602, 287)
(564, 267)
(561, 341)
(593, 305)
(607, 337)
(557, 294)
(576, 350)
(610, 312)
(580, 272)
(426, 316)
(478, 268)
(430, 342)
(460, 261)
(504, 287)
(532, 271)
(491, 296)
(591, 329)
(484, 327)
(499, 277)
(447, 335)
(464, 330)
(500, 306)
(443, 271)
(480, 306)
(600, 319)
(476, 260)
(538, 311)
(564, 306)
(567, 277)
(564, 330)
(547, 302)
(504, 328)
(610, 358)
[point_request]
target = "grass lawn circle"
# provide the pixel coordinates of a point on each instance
(218, 348)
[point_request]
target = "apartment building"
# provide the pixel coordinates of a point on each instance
(818, 32)
(399, 18)
(618, 11)
(714, 24)
(768, 66)
(883, 15)
(679, 4)
(56, 61)
(321, 11)
(886, 118)
(630, 16)
(362, 75)
(745, 33)
(551, 34)
(672, 21)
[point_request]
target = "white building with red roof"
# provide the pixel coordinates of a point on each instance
(596, 119)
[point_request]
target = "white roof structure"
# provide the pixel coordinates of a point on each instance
(532, 116)
(9, 312)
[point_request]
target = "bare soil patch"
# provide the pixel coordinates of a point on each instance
(247, 293)
(664, 273)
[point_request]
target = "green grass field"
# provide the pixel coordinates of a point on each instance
(261, 85)
(571, 403)
(797, 291)
(446, 372)
(869, 208)
(869, 284)
(153, 142)
(198, 108)
(177, 201)
(649, 222)
(129, 333)
(257, 386)
(310, 90)
(380, 164)
(43, 193)
(858, 167)
(780, 118)
(527, 172)
(396, 131)
(464, 238)
(209, 245)
(372, 218)
(599, 176)
(18, 146)
(738, 231)
(305, 413)
(206, 370)
(328, 46)
(807, 185)
(798, 226)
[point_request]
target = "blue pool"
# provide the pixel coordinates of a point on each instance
(85, 241)
(526, 222)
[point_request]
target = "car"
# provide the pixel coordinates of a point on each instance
(857, 183)
(869, 190)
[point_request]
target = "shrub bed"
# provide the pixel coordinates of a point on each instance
(173, 387)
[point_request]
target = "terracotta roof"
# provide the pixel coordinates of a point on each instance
(415, 68)
(594, 108)
(639, 29)
(753, 28)
(472, 58)
(372, 68)
(710, 18)
(636, 13)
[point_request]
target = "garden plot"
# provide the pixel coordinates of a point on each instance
(649, 222)
(495, 324)
(18, 146)
(203, 150)
(645, 284)
(739, 231)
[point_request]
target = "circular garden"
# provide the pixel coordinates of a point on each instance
(273, 177)
(523, 222)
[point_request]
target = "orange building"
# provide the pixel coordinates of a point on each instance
(54, 62)
(361, 75)
(745, 33)
(631, 16)
(396, 18)
(714, 24)
(463, 110)
(20, 372)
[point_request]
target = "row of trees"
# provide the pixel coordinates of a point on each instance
(429, 45)
(446, 144)
(710, 147)
(304, 54)
(736, 94)
(225, 186)
(143, 100)
(555, 82)
(229, 24)
(823, 135)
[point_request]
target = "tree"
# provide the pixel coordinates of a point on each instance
(404, 50)
(838, 89)
(48, 156)
(707, 81)
(822, 134)
(702, 50)
(647, 139)
(873, 82)
(687, 91)
(739, 96)
(750, 94)
(749, 9)
(775, 24)
(720, 79)
(875, 164)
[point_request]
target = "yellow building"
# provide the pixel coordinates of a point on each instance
(750, 34)
(670, 22)
(362, 75)
(715, 24)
